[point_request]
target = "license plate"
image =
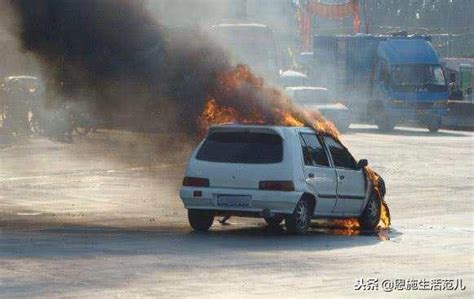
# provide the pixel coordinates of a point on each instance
(234, 200)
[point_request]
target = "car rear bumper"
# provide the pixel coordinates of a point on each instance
(259, 201)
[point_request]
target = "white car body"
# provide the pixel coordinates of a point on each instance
(234, 188)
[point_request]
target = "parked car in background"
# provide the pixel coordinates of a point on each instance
(293, 78)
(281, 174)
(20, 94)
(321, 99)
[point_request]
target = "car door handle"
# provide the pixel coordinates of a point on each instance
(341, 177)
(311, 175)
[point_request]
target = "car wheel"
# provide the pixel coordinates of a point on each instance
(200, 220)
(274, 221)
(434, 124)
(371, 215)
(384, 123)
(82, 131)
(299, 221)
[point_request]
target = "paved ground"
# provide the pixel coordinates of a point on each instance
(101, 218)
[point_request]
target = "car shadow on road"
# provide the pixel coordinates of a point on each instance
(84, 241)
(407, 132)
(97, 257)
(316, 232)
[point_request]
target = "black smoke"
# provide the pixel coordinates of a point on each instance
(113, 54)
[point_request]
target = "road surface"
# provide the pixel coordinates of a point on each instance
(101, 218)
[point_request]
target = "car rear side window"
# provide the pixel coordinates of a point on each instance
(313, 151)
(341, 157)
(242, 147)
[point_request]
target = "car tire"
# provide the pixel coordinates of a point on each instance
(274, 221)
(434, 124)
(299, 221)
(82, 131)
(384, 123)
(371, 215)
(200, 220)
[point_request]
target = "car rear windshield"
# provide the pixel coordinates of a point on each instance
(242, 147)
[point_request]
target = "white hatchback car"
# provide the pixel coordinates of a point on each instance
(278, 173)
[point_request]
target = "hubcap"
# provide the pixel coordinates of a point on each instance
(373, 209)
(302, 214)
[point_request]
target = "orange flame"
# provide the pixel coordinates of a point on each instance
(347, 224)
(241, 97)
(214, 114)
(385, 221)
(289, 120)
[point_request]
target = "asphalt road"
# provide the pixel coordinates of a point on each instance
(101, 218)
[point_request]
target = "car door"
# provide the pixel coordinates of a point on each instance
(351, 182)
(319, 174)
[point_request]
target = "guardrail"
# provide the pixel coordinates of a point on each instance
(460, 116)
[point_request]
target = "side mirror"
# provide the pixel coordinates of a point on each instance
(362, 163)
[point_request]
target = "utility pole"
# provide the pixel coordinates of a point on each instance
(363, 5)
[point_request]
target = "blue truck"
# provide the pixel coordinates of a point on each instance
(383, 79)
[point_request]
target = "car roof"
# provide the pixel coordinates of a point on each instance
(298, 88)
(10, 78)
(244, 25)
(291, 73)
(262, 128)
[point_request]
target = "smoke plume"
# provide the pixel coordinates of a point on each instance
(113, 54)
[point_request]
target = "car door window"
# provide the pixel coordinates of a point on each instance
(313, 151)
(341, 157)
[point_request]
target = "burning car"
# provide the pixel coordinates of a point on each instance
(290, 174)
(321, 99)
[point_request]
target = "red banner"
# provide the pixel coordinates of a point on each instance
(333, 11)
(328, 11)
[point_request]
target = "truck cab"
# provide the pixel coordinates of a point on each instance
(408, 84)
(384, 79)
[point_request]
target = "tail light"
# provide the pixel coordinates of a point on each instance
(195, 182)
(277, 185)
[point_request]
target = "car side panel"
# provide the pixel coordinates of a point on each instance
(322, 181)
(351, 191)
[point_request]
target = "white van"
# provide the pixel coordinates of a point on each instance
(278, 173)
